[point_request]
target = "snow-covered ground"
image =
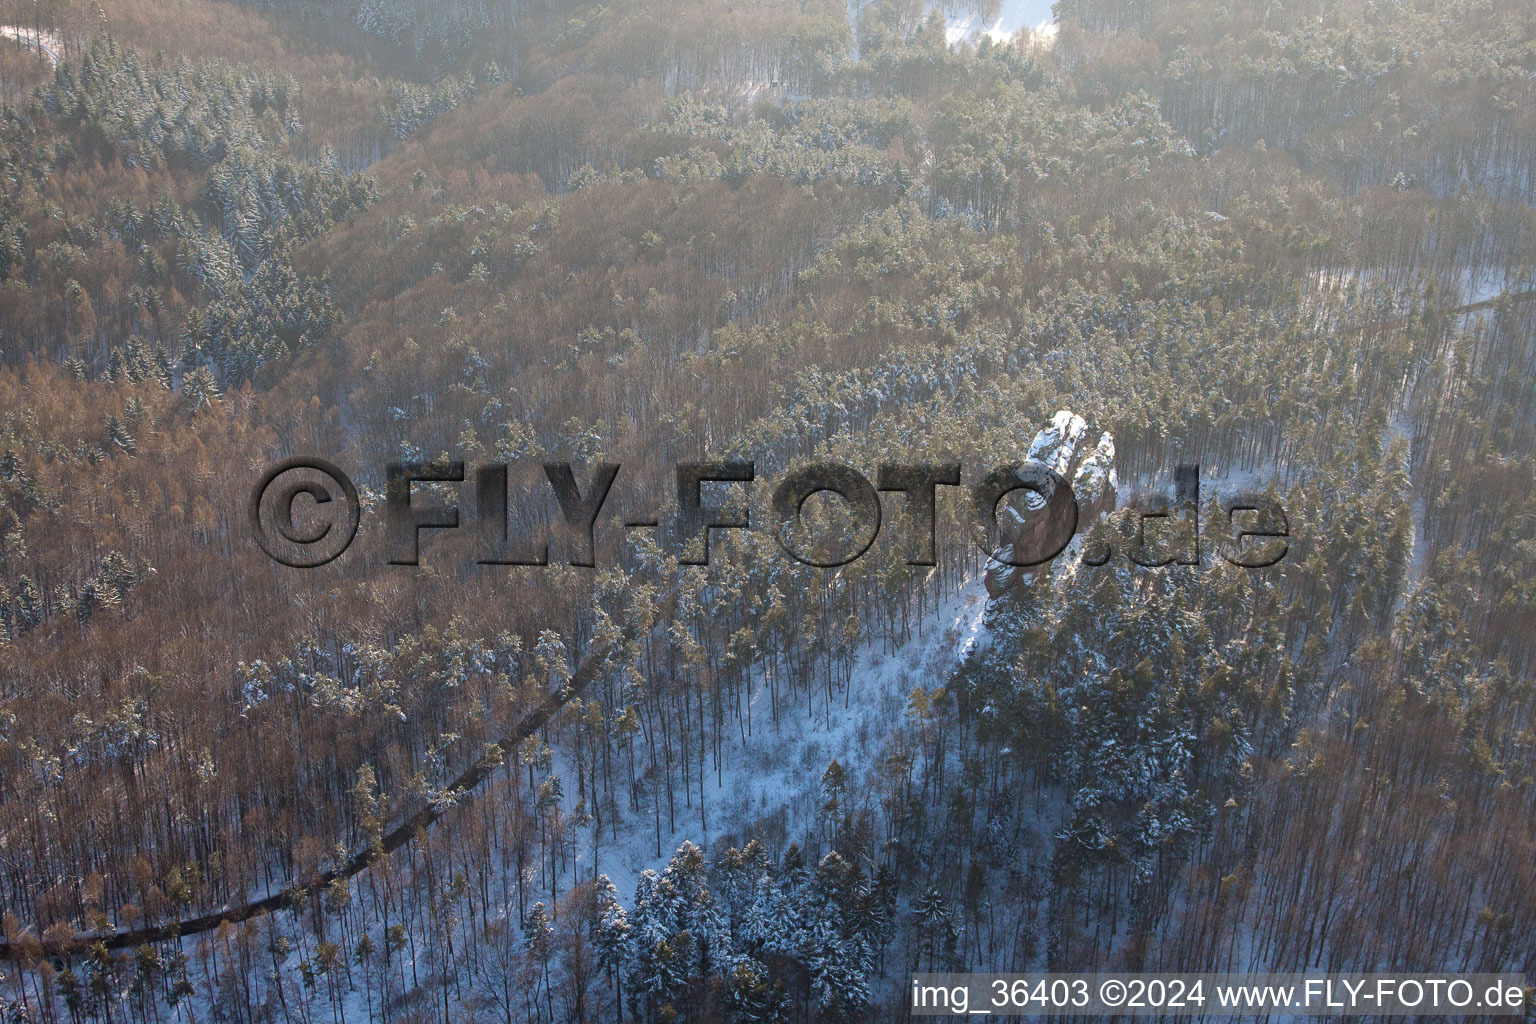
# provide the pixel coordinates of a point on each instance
(773, 773)
(964, 25)
(968, 22)
(46, 43)
(776, 771)
(1401, 428)
(1225, 480)
(1466, 287)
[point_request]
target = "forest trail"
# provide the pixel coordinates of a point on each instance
(359, 861)
(45, 43)
(1400, 427)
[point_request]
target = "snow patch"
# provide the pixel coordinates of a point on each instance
(776, 771)
(45, 43)
(1012, 17)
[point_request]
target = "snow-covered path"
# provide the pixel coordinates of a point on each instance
(1401, 428)
(45, 43)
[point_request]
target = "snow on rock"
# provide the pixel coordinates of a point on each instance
(1095, 483)
(1055, 445)
(1058, 447)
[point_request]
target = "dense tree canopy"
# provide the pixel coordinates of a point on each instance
(1288, 243)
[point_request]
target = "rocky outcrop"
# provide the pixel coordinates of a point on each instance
(1023, 521)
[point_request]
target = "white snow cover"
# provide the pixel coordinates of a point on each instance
(1097, 470)
(45, 43)
(1055, 445)
(777, 770)
(1013, 17)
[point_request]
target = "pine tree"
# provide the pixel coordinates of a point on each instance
(117, 434)
(752, 997)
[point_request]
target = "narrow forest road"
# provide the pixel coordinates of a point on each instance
(45, 43)
(393, 840)
(1400, 427)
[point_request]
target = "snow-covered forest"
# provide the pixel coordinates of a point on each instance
(1290, 243)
